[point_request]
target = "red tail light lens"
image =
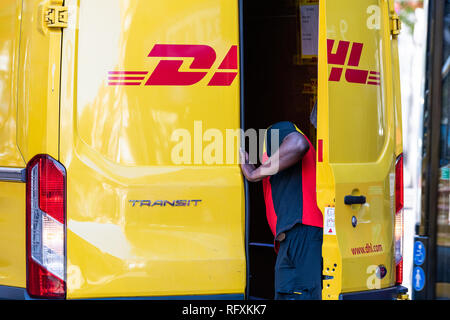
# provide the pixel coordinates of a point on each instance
(51, 190)
(399, 203)
(43, 284)
(399, 200)
(46, 228)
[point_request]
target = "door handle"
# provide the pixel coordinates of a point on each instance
(354, 200)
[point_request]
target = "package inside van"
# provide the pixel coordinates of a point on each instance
(280, 84)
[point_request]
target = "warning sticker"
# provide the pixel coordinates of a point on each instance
(330, 225)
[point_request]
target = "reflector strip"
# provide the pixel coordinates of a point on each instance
(320, 150)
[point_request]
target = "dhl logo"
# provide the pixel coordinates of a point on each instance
(352, 74)
(167, 72)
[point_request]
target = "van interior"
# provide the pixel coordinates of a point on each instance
(279, 85)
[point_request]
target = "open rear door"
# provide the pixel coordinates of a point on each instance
(356, 146)
(137, 77)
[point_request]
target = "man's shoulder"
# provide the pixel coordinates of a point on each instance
(283, 125)
(283, 128)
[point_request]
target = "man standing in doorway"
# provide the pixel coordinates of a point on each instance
(288, 172)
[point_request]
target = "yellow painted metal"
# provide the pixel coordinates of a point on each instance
(397, 91)
(29, 115)
(325, 177)
(357, 125)
(38, 82)
(12, 195)
(12, 234)
(116, 146)
(10, 13)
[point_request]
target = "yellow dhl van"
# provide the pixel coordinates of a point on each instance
(116, 178)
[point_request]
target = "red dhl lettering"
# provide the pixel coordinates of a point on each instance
(352, 75)
(167, 73)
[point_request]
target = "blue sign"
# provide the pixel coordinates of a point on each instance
(418, 278)
(419, 253)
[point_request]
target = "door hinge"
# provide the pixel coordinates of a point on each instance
(55, 17)
(396, 25)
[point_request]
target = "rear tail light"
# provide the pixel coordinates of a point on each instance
(46, 228)
(399, 202)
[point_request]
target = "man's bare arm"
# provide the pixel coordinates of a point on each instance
(291, 151)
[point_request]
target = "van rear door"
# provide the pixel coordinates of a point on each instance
(146, 217)
(12, 191)
(356, 146)
(30, 53)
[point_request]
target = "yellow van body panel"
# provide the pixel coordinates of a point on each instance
(358, 129)
(38, 82)
(12, 194)
(29, 114)
(325, 185)
(12, 234)
(10, 12)
(397, 89)
(116, 144)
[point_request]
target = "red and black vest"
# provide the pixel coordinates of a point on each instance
(290, 195)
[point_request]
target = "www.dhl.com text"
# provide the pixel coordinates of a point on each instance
(368, 248)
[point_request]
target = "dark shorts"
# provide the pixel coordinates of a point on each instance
(298, 269)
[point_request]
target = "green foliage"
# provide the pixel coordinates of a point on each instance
(405, 10)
